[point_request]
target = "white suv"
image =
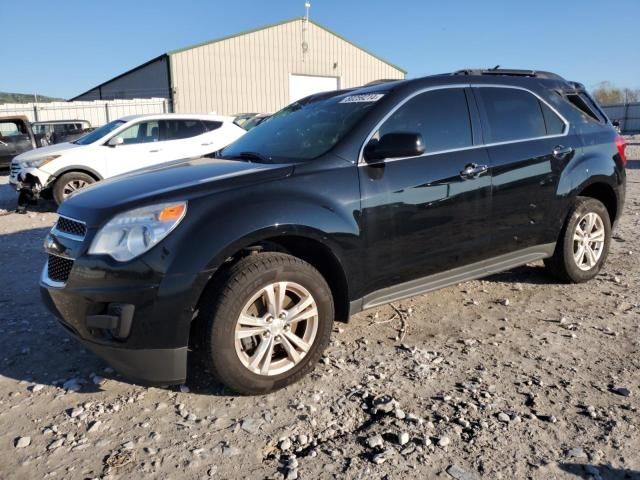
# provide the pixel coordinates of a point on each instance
(121, 146)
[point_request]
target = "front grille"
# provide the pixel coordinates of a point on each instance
(72, 227)
(59, 268)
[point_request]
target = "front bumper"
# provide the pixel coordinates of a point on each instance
(27, 177)
(138, 322)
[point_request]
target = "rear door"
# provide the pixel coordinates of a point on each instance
(529, 145)
(423, 215)
(185, 138)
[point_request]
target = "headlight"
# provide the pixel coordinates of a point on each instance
(132, 233)
(39, 162)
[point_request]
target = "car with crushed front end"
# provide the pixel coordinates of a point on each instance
(121, 146)
(339, 203)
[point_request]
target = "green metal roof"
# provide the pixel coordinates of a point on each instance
(173, 52)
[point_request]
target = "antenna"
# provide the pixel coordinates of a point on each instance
(305, 27)
(307, 6)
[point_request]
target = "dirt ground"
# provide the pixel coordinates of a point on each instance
(512, 377)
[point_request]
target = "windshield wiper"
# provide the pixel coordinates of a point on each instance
(254, 156)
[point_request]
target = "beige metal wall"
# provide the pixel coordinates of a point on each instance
(250, 73)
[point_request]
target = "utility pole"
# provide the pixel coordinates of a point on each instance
(35, 107)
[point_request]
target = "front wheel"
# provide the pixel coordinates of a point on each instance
(583, 245)
(269, 320)
(70, 183)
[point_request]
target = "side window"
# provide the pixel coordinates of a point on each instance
(511, 114)
(144, 132)
(181, 129)
(211, 125)
(554, 124)
(9, 129)
(440, 116)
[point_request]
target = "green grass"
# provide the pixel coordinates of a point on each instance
(6, 97)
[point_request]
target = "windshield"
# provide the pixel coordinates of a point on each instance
(98, 133)
(303, 131)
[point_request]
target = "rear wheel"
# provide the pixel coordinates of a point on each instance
(70, 183)
(583, 245)
(268, 322)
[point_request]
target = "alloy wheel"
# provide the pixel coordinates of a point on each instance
(72, 186)
(588, 241)
(276, 328)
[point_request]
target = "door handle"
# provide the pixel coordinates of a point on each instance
(155, 151)
(560, 152)
(473, 170)
(206, 144)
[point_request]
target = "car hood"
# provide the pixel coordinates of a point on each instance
(183, 179)
(57, 149)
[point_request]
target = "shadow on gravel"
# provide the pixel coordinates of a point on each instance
(534, 275)
(35, 348)
(604, 471)
(201, 382)
(9, 199)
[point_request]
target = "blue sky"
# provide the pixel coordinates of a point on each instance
(62, 48)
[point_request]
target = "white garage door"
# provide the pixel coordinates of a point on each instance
(301, 86)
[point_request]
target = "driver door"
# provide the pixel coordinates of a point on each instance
(427, 214)
(142, 146)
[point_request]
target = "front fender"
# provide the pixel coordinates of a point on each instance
(323, 207)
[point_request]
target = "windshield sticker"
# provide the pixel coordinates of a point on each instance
(366, 98)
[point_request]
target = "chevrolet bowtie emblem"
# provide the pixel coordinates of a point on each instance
(52, 245)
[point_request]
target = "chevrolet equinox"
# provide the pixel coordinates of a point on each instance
(341, 202)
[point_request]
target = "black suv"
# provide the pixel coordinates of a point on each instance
(339, 203)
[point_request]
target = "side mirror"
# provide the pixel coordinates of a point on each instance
(115, 141)
(616, 123)
(394, 145)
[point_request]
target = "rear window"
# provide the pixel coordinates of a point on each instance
(211, 125)
(586, 106)
(512, 115)
(182, 129)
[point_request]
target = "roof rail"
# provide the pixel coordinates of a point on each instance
(510, 72)
(380, 82)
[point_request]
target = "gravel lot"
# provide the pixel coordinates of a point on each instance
(511, 377)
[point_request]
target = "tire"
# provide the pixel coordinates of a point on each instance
(563, 264)
(69, 183)
(238, 291)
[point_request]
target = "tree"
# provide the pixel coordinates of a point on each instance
(606, 93)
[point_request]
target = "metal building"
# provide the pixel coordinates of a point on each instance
(260, 70)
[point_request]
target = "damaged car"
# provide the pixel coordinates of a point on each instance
(130, 143)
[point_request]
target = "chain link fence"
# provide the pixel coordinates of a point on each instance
(96, 112)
